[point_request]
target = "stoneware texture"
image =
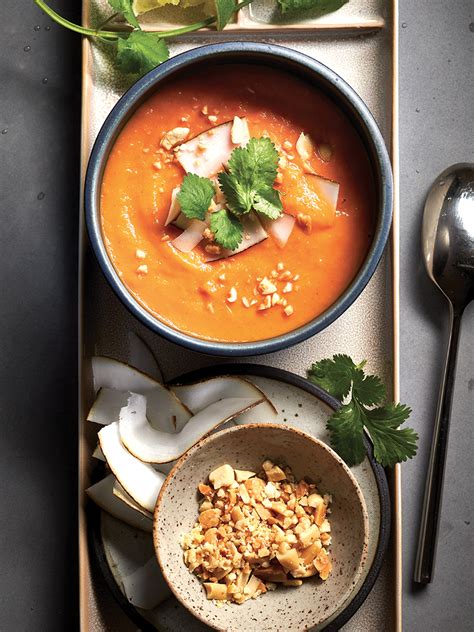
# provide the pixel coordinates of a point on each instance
(246, 447)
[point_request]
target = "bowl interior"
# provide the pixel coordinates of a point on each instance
(246, 447)
(316, 74)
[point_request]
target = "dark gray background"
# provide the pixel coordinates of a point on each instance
(39, 193)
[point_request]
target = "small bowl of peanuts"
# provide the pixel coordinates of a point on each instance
(261, 527)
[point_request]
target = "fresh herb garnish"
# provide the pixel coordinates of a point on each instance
(363, 396)
(227, 229)
(248, 183)
(140, 51)
(195, 196)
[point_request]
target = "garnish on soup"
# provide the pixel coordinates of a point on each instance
(223, 181)
(258, 531)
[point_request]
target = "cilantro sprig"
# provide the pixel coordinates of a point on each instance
(247, 185)
(139, 51)
(363, 408)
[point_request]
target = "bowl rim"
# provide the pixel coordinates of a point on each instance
(217, 436)
(345, 97)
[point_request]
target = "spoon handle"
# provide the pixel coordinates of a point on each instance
(428, 536)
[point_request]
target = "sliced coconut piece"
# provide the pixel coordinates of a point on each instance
(103, 495)
(191, 237)
(138, 479)
(164, 410)
(181, 221)
(279, 229)
(327, 189)
(119, 492)
(152, 446)
(144, 588)
(98, 454)
(254, 233)
(240, 133)
(208, 152)
(142, 357)
(202, 394)
(175, 208)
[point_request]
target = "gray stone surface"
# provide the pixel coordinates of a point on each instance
(436, 130)
(38, 265)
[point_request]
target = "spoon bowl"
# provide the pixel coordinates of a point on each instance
(448, 248)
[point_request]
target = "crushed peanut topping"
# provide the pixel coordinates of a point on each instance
(212, 118)
(174, 136)
(305, 222)
(143, 269)
(140, 254)
(255, 531)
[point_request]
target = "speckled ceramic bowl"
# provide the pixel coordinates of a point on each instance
(246, 447)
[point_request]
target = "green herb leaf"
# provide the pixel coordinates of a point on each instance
(195, 196)
(341, 377)
(267, 201)
(335, 375)
(125, 8)
(320, 7)
(140, 52)
(248, 184)
(227, 229)
(346, 431)
(391, 443)
(224, 11)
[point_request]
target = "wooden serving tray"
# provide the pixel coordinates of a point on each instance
(360, 43)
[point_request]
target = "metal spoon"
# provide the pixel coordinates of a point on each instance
(448, 248)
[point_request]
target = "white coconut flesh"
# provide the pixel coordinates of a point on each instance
(190, 237)
(199, 395)
(279, 229)
(142, 357)
(115, 380)
(206, 154)
(138, 479)
(145, 587)
(328, 190)
(153, 446)
(254, 233)
(102, 493)
(119, 492)
(175, 207)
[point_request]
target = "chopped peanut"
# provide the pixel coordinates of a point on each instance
(255, 531)
(222, 477)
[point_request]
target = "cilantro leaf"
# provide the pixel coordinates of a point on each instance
(320, 7)
(391, 443)
(125, 8)
(239, 197)
(341, 377)
(224, 11)
(140, 52)
(346, 431)
(335, 375)
(267, 201)
(195, 196)
(227, 228)
(248, 184)
(367, 389)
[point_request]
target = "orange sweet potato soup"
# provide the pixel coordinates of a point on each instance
(286, 270)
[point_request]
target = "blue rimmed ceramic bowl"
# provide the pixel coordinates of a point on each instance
(312, 72)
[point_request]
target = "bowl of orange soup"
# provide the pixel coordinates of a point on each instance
(238, 198)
